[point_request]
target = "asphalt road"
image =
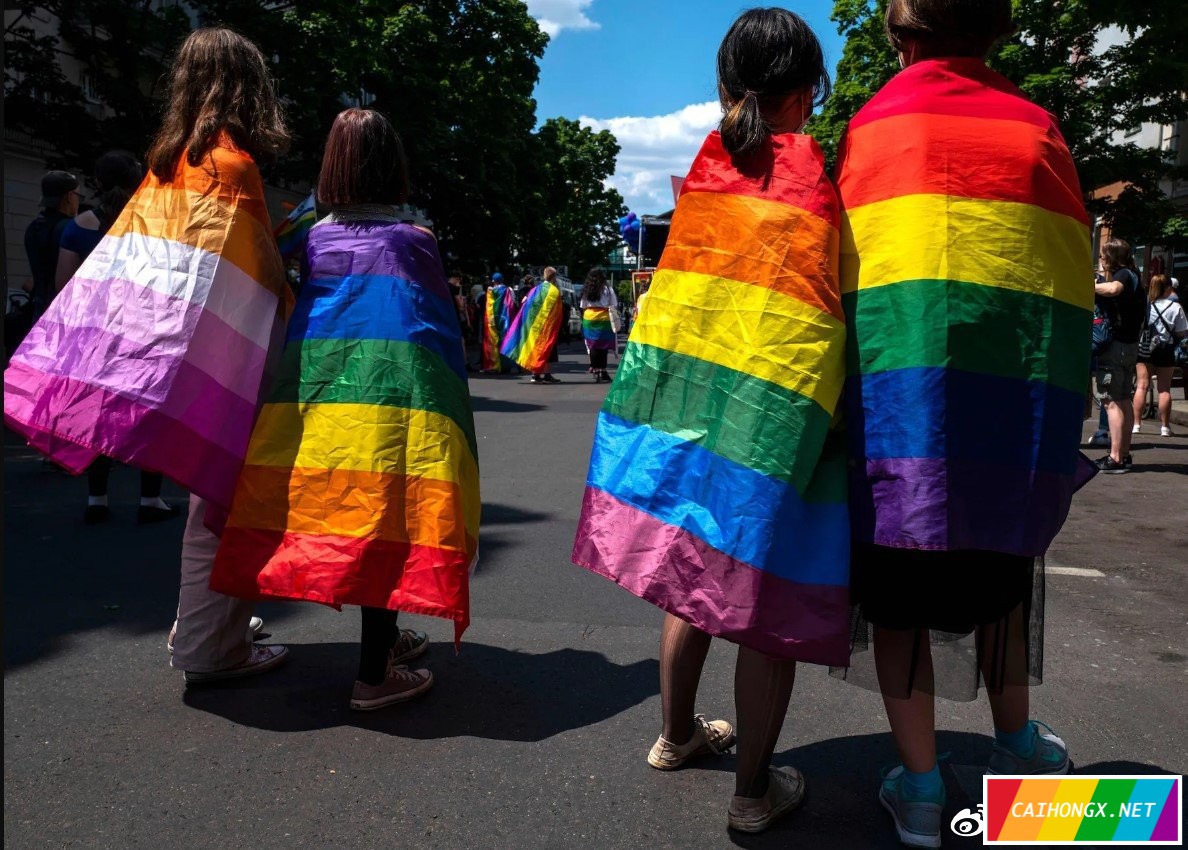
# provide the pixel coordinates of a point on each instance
(535, 735)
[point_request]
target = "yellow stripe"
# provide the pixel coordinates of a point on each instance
(750, 329)
(370, 437)
(993, 243)
(1070, 791)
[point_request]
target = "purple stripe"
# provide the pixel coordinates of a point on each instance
(175, 389)
(148, 320)
(940, 504)
(685, 576)
(91, 421)
(1168, 826)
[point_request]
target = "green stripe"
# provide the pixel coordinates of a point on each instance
(373, 371)
(1112, 792)
(966, 326)
(738, 416)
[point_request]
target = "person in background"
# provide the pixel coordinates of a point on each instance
(460, 304)
(598, 297)
(1168, 325)
(117, 174)
(43, 236)
(1121, 297)
(531, 340)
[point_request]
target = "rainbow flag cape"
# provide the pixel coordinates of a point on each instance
(533, 333)
(714, 491)
(966, 273)
(154, 353)
(361, 480)
(497, 315)
(291, 232)
(597, 330)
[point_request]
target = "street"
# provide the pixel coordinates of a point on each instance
(536, 733)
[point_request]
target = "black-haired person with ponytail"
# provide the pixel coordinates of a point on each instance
(716, 489)
(118, 174)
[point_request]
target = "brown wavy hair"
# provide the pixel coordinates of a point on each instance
(219, 83)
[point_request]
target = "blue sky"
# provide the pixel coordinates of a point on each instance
(645, 70)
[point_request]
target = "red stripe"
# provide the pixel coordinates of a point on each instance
(1000, 794)
(963, 87)
(139, 436)
(793, 174)
(685, 576)
(980, 158)
(333, 570)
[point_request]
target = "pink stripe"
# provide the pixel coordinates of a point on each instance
(684, 575)
(150, 325)
(172, 387)
(95, 421)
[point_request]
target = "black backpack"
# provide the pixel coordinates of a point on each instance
(1151, 341)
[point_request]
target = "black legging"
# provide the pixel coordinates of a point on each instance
(100, 470)
(598, 358)
(379, 634)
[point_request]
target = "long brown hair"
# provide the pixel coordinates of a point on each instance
(364, 162)
(219, 83)
(1158, 285)
(1116, 254)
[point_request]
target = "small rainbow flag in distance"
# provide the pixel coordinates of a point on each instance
(1054, 810)
(290, 234)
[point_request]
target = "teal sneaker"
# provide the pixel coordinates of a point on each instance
(918, 822)
(1050, 756)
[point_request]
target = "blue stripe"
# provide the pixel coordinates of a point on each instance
(1152, 795)
(378, 307)
(933, 412)
(741, 513)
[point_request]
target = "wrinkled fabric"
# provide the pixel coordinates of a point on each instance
(361, 481)
(533, 332)
(716, 488)
(158, 350)
(497, 317)
(597, 329)
(966, 274)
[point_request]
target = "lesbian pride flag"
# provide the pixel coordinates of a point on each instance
(361, 481)
(533, 333)
(713, 491)
(154, 353)
(967, 281)
(1053, 810)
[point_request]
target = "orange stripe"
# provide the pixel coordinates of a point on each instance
(759, 242)
(353, 503)
(1027, 829)
(991, 159)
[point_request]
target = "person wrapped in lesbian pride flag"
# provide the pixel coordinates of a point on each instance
(361, 481)
(497, 316)
(533, 334)
(155, 353)
(712, 492)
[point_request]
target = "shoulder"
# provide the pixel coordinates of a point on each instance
(232, 165)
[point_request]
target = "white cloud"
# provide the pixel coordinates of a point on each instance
(556, 15)
(654, 149)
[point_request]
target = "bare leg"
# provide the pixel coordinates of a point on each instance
(1003, 661)
(762, 688)
(904, 657)
(1142, 383)
(1163, 383)
(682, 655)
(1121, 418)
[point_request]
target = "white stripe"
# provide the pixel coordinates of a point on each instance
(1074, 571)
(182, 271)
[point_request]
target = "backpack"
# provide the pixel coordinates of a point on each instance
(1103, 330)
(1151, 341)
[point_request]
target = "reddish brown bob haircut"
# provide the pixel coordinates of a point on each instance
(364, 162)
(949, 27)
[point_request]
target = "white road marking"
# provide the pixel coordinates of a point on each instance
(1074, 571)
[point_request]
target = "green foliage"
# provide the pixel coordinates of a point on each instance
(1063, 60)
(574, 214)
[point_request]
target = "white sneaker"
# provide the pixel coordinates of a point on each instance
(1137, 429)
(1164, 431)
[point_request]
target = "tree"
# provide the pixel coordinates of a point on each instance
(1065, 59)
(574, 214)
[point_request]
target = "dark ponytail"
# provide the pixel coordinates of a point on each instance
(767, 55)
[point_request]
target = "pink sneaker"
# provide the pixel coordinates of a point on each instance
(401, 685)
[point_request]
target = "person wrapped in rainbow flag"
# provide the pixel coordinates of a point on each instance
(498, 309)
(531, 340)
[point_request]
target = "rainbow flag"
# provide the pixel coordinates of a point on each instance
(1039, 811)
(966, 272)
(497, 316)
(533, 333)
(361, 480)
(154, 353)
(714, 491)
(597, 329)
(291, 232)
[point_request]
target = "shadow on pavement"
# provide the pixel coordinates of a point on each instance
(484, 692)
(482, 404)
